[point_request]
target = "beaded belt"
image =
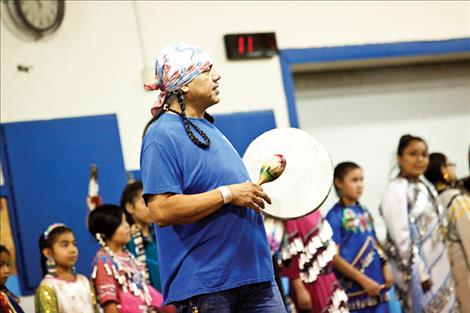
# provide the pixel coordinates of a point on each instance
(442, 298)
(367, 302)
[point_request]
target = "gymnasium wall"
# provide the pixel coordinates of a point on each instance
(94, 64)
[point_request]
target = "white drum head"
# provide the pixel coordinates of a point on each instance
(307, 178)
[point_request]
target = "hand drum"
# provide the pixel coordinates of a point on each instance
(307, 179)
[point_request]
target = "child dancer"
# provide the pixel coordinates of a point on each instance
(9, 303)
(361, 265)
(143, 244)
(456, 203)
(306, 252)
(118, 277)
(61, 289)
(416, 227)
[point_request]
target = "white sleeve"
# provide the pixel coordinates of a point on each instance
(395, 214)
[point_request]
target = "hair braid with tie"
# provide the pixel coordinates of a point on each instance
(188, 124)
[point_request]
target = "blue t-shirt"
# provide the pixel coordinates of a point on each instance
(353, 230)
(228, 248)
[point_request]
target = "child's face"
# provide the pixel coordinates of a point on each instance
(351, 186)
(5, 260)
(122, 235)
(414, 160)
(64, 251)
(139, 211)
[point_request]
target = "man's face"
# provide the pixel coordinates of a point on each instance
(203, 90)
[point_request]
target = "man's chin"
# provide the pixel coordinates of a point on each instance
(213, 102)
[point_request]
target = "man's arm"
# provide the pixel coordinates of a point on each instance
(175, 209)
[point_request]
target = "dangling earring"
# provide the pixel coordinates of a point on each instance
(51, 266)
(100, 240)
(446, 177)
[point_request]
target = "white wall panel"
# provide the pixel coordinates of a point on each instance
(360, 115)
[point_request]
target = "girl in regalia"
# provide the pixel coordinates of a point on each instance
(143, 243)
(304, 249)
(416, 230)
(361, 266)
(9, 303)
(119, 279)
(456, 203)
(62, 290)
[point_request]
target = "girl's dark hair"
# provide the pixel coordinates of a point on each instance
(129, 194)
(341, 170)
(434, 171)
(105, 220)
(49, 242)
(4, 249)
(186, 122)
(405, 141)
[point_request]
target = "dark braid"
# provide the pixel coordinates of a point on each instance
(209, 117)
(188, 124)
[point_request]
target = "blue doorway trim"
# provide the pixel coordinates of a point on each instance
(290, 57)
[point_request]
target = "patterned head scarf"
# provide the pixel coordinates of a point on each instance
(177, 65)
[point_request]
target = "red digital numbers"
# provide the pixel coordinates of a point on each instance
(245, 44)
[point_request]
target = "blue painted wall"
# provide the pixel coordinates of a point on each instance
(47, 170)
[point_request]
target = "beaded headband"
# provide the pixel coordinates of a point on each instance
(51, 228)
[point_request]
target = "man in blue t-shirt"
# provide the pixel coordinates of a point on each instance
(212, 246)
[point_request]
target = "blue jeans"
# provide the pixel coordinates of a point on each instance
(261, 297)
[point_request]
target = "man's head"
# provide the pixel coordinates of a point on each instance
(186, 78)
(187, 69)
(203, 90)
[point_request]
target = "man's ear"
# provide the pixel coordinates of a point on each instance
(185, 89)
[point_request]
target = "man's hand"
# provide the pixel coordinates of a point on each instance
(249, 195)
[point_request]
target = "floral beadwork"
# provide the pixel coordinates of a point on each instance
(353, 222)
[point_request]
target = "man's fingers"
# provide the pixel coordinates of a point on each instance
(265, 197)
(259, 201)
(255, 207)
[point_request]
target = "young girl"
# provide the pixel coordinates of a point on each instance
(9, 303)
(456, 203)
(143, 244)
(413, 217)
(306, 252)
(61, 289)
(118, 277)
(364, 274)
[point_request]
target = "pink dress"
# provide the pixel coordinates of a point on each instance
(109, 289)
(307, 254)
